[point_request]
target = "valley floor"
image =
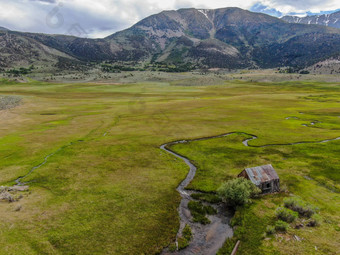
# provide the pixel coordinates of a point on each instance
(108, 188)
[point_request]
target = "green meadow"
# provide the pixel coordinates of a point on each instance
(106, 187)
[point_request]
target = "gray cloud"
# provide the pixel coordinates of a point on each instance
(44, 1)
(94, 18)
(302, 5)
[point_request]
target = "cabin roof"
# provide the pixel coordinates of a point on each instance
(262, 174)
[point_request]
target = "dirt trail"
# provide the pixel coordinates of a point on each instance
(208, 239)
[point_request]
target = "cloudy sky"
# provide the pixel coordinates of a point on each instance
(99, 18)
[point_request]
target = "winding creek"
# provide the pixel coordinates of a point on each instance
(19, 182)
(208, 239)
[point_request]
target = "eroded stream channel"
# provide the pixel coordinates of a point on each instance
(208, 239)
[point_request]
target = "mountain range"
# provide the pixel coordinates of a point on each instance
(224, 38)
(331, 20)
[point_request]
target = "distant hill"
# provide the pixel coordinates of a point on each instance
(3, 29)
(226, 38)
(329, 66)
(330, 20)
(20, 49)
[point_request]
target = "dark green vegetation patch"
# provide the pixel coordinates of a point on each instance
(206, 197)
(199, 212)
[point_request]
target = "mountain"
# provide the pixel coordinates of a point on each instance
(226, 38)
(229, 37)
(20, 49)
(3, 29)
(331, 20)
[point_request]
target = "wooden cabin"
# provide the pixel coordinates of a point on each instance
(264, 177)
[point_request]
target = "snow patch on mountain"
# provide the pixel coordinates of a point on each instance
(204, 12)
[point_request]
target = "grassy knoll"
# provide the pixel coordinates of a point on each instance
(109, 189)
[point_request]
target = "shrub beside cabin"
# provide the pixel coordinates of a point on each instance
(264, 177)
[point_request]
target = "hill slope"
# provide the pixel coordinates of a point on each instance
(19, 49)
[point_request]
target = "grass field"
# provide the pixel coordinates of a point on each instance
(107, 188)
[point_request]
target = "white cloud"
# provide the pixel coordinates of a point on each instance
(287, 6)
(99, 18)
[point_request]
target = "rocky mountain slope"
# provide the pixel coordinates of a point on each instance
(330, 20)
(20, 49)
(329, 66)
(228, 38)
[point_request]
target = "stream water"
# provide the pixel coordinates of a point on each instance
(208, 239)
(19, 182)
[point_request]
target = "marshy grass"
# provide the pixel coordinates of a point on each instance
(115, 192)
(199, 212)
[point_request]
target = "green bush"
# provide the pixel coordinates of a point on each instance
(281, 226)
(201, 219)
(286, 215)
(304, 72)
(300, 206)
(209, 210)
(182, 243)
(173, 247)
(186, 233)
(199, 212)
(270, 230)
(237, 191)
(314, 221)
